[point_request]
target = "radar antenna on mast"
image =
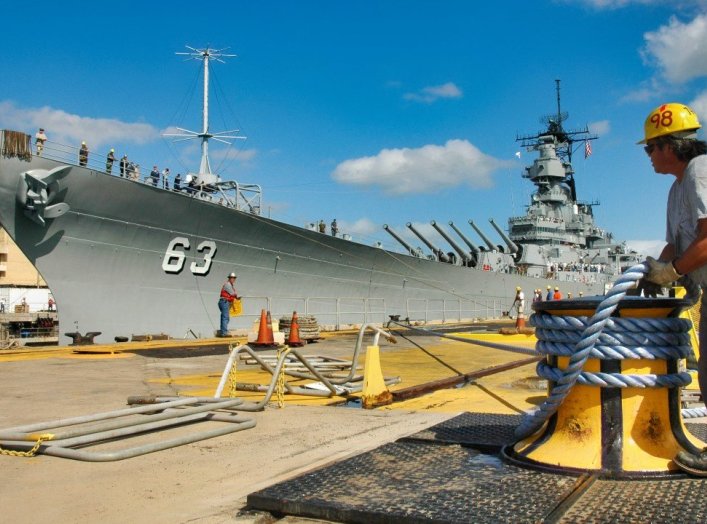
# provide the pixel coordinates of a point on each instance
(205, 176)
(564, 139)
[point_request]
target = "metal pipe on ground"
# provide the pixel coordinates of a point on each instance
(446, 383)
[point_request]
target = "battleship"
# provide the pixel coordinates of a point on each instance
(125, 257)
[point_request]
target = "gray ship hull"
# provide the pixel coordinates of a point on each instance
(128, 258)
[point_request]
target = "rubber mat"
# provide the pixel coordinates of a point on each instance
(414, 482)
(655, 501)
(484, 431)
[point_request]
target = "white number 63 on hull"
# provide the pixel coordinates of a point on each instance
(174, 258)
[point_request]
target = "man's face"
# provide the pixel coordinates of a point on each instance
(662, 157)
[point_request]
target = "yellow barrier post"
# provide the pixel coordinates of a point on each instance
(375, 393)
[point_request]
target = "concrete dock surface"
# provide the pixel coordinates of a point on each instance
(208, 481)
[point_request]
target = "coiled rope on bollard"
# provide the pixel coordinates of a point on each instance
(605, 337)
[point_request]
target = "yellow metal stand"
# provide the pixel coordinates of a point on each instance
(375, 392)
(614, 432)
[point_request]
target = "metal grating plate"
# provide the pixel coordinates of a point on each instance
(654, 501)
(699, 429)
(413, 482)
(484, 431)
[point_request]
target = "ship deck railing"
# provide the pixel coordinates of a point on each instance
(340, 312)
(243, 197)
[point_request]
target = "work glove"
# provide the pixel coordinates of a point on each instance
(662, 273)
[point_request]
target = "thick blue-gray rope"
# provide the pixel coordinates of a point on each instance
(589, 345)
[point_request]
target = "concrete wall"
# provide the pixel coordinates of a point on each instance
(15, 269)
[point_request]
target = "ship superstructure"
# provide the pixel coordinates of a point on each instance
(558, 232)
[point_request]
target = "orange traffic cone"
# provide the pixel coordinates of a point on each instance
(271, 336)
(520, 321)
(265, 335)
(293, 338)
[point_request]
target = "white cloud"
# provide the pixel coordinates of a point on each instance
(67, 128)
(361, 228)
(431, 94)
(601, 128)
(426, 169)
(618, 4)
(647, 247)
(228, 154)
(679, 50)
(699, 105)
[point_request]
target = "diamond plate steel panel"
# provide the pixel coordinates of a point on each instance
(681, 501)
(485, 431)
(411, 482)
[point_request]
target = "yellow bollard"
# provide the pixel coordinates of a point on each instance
(613, 432)
(375, 393)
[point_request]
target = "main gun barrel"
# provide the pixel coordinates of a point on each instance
(474, 248)
(397, 237)
(455, 246)
(512, 246)
(486, 239)
(441, 255)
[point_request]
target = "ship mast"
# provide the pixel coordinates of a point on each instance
(563, 140)
(205, 175)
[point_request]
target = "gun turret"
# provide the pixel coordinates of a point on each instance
(472, 246)
(483, 237)
(465, 256)
(402, 242)
(511, 245)
(441, 255)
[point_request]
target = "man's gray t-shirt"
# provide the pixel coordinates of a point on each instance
(687, 203)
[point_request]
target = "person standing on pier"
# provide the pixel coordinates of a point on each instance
(670, 135)
(228, 295)
(519, 301)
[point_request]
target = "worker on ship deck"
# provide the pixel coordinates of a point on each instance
(228, 295)
(83, 154)
(670, 135)
(39, 139)
(110, 158)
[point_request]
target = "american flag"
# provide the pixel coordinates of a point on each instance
(587, 148)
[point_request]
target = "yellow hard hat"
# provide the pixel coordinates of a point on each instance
(549, 287)
(517, 288)
(669, 119)
(557, 289)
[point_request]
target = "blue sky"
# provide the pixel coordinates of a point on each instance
(370, 112)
